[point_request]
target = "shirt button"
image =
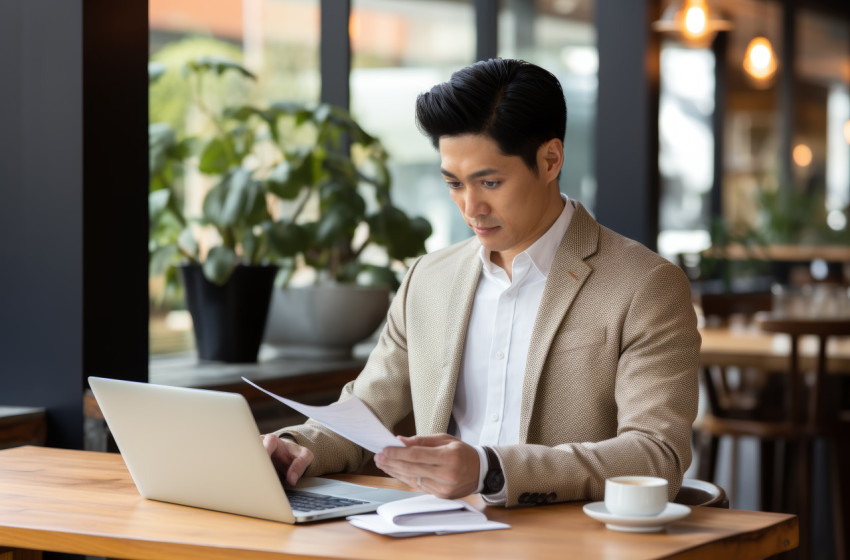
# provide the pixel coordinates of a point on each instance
(500, 355)
(494, 417)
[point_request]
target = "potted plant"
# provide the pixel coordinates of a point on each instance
(294, 185)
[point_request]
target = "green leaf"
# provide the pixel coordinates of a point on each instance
(219, 264)
(161, 259)
(160, 140)
(230, 202)
(244, 113)
(288, 239)
(256, 208)
(215, 158)
(403, 237)
(187, 244)
(421, 228)
(288, 177)
(250, 243)
(219, 66)
(334, 194)
(371, 275)
(388, 222)
(157, 205)
(338, 221)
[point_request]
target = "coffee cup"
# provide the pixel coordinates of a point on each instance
(640, 496)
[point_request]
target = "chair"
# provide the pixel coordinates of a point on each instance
(787, 419)
(725, 305)
(735, 394)
(809, 417)
(701, 493)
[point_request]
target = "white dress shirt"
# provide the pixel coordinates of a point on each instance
(487, 401)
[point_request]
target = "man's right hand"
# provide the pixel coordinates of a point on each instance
(289, 458)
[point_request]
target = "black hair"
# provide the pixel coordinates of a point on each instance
(517, 104)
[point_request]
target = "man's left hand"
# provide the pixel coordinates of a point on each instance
(441, 465)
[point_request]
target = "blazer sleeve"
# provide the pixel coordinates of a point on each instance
(383, 385)
(656, 397)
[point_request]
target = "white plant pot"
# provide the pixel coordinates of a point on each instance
(325, 320)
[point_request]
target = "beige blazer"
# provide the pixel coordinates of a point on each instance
(611, 378)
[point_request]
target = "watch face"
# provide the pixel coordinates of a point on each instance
(494, 481)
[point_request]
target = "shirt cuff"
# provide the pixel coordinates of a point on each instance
(482, 467)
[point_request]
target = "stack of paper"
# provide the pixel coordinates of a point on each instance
(425, 515)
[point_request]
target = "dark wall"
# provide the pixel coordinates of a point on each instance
(73, 212)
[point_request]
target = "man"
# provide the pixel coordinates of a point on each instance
(540, 357)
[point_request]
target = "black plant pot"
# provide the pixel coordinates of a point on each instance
(229, 320)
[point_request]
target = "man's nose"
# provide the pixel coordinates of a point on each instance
(475, 203)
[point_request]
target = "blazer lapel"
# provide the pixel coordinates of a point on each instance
(457, 321)
(566, 278)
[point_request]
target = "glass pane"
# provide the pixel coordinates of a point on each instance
(277, 40)
(400, 49)
(560, 35)
(686, 148)
(751, 127)
(821, 139)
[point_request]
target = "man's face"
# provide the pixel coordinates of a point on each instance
(506, 204)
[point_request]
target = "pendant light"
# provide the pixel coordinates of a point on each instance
(760, 60)
(692, 21)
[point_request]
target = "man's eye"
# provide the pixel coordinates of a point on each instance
(490, 184)
(454, 184)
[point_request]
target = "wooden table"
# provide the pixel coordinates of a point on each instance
(751, 347)
(84, 502)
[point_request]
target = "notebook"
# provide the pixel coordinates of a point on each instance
(202, 448)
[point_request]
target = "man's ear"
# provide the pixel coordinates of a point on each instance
(550, 158)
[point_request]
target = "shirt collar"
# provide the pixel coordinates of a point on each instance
(542, 252)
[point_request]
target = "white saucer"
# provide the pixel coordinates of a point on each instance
(635, 524)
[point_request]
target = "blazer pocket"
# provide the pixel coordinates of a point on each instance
(574, 339)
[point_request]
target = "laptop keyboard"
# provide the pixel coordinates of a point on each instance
(302, 500)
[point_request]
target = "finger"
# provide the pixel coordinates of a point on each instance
(269, 443)
(414, 454)
(299, 465)
(408, 471)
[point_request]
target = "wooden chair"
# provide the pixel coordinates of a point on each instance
(735, 394)
(810, 416)
(701, 493)
(725, 305)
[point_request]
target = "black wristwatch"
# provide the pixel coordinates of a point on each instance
(494, 480)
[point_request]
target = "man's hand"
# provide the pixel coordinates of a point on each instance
(289, 458)
(441, 465)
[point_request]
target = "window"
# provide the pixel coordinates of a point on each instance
(560, 35)
(400, 49)
(278, 40)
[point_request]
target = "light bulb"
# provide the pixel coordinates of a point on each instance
(695, 19)
(802, 155)
(760, 60)
(692, 21)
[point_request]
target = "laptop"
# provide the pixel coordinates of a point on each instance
(202, 448)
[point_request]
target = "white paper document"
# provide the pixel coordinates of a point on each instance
(351, 419)
(425, 515)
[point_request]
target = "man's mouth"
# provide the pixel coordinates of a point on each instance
(483, 230)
